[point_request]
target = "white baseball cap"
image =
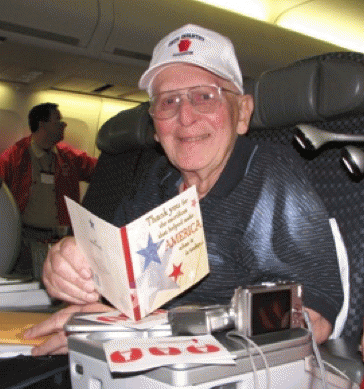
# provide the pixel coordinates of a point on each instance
(197, 46)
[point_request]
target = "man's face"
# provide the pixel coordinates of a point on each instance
(54, 127)
(199, 142)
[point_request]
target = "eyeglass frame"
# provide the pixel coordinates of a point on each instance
(219, 89)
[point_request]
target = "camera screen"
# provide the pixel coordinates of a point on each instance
(271, 311)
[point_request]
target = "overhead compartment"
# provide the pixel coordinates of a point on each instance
(66, 24)
(139, 24)
(136, 30)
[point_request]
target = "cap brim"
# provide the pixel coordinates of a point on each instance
(148, 76)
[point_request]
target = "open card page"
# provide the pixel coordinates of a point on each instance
(101, 244)
(143, 265)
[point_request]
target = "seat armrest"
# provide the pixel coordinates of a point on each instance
(344, 355)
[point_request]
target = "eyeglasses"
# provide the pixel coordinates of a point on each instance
(204, 99)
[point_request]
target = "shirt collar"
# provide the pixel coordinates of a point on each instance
(39, 152)
(232, 174)
(235, 168)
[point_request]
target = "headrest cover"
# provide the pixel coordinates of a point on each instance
(197, 46)
(341, 87)
(131, 129)
(308, 91)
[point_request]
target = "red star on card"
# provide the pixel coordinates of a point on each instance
(176, 272)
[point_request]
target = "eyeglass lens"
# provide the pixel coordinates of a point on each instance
(203, 98)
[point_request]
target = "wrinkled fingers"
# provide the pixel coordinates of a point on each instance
(66, 274)
(57, 344)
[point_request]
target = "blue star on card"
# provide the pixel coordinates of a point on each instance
(155, 280)
(150, 253)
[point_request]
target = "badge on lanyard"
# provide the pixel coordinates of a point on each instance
(47, 178)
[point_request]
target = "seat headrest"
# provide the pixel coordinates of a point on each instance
(314, 89)
(131, 129)
(310, 90)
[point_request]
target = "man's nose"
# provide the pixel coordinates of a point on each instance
(186, 111)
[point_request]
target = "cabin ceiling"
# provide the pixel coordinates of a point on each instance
(134, 28)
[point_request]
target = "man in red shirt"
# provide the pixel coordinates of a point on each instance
(40, 170)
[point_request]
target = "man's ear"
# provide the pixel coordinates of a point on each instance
(40, 124)
(246, 107)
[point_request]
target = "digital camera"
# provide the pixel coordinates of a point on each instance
(255, 310)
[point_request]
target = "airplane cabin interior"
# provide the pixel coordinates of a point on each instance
(87, 56)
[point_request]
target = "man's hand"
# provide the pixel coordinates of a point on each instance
(321, 327)
(57, 344)
(67, 275)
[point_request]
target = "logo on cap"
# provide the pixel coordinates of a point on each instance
(184, 45)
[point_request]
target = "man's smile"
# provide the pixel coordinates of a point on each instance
(191, 139)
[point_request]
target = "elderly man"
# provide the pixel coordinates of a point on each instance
(262, 220)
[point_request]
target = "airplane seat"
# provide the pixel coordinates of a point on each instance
(10, 230)
(326, 92)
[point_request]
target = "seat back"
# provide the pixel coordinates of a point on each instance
(328, 92)
(10, 230)
(127, 149)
